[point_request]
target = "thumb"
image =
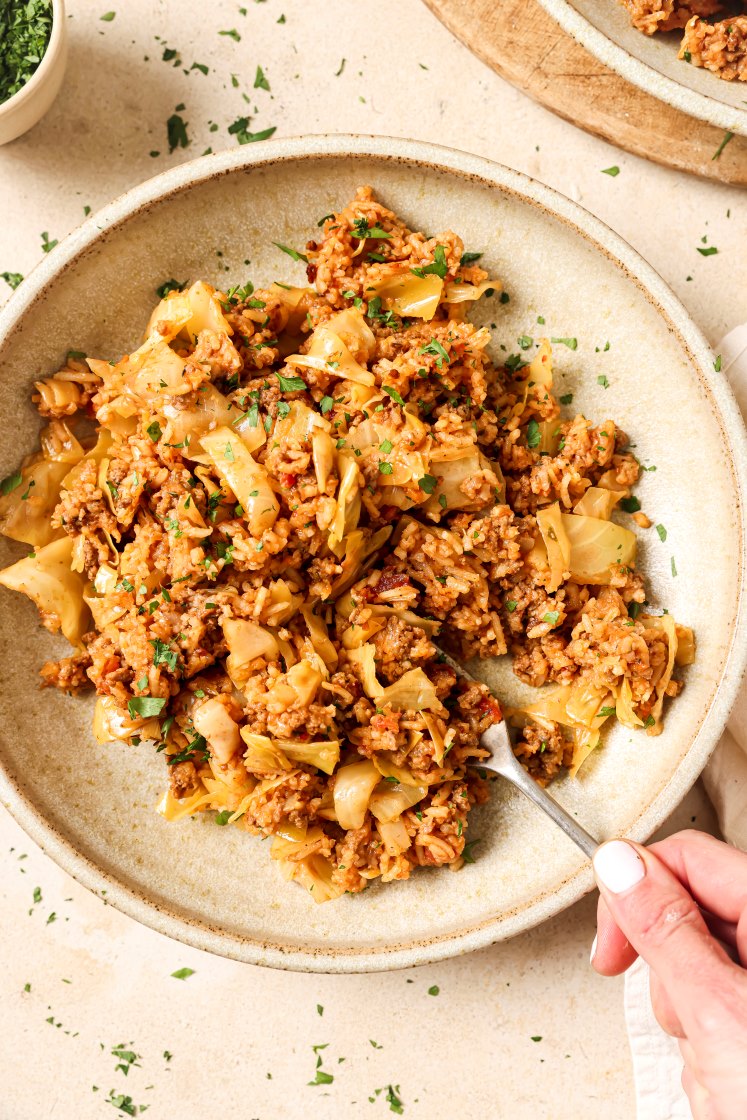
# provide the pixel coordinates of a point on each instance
(665, 926)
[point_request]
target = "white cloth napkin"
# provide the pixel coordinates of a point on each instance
(657, 1065)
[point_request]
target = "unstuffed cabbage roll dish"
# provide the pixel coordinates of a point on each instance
(254, 527)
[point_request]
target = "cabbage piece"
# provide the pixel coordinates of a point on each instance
(416, 297)
(292, 842)
(210, 410)
(301, 423)
(329, 354)
(360, 550)
(666, 623)
(320, 638)
(247, 478)
(246, 641)
(323, 455)
(685, 645)
(394, 836)
(348, 499)
(26, 512)
(298, 686)
(106, 579)
(361, 633)
(556, 542)
(353, 787)
(365, 658)
(112, 723)
(437, 736)
(47, 579)
(212, 721)
(262, 756)
(350, 324)
(624, 705)
(390, 799)
(324, 755)
(172, 809)
(315, 875)
(284, 602)
(188, 313)
(539, 371)
(456, 292)
(584, 742)
(107, 609)
(412, 692)
(383, 761)
(154, 370)
(597, 547)
(452, 466)
(549, 437)
(233, 776)
(599, 502)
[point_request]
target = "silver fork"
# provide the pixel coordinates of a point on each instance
(503, 761)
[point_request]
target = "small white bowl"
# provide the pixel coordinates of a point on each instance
(27, 107)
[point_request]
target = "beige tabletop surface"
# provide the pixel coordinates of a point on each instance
(521, 1030)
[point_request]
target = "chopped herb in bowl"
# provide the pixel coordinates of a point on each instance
(25, 29)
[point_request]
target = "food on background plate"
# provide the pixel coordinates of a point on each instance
(286, 496)
(717, 45)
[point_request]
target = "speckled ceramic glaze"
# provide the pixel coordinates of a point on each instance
(91, 807)
(651, 63)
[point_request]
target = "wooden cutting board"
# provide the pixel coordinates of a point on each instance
(522, 43)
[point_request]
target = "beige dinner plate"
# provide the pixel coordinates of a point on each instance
(91, 807)
(651, 62)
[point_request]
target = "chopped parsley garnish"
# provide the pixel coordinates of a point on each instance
(325, 404)
(24, 33)
(567, 398)
(630, 505)
(717, 364)
(649, 721)
(176, 130)
(467, 852)
(362, 230)
(47, 245)
(385, 468)
(533, 434)
(232, 33)
(438, 267)
(107, 17)
(434, 990)
(662, 532)
(292, 253)
(551, 617)
(183, 973)
(435, 348)
(709, 252)
(386, 446)
(511, 605)
(290, 384)
(163, 654)
(614, 171)
(469, 258)
(571, 343)
(525, 342)
(727, 137)
(392, 392)
(322, 1078)
(10, 483)
(240, 129)
(260, 80)
(170, 286)
(12, 279)
(144, 707)
(155, 431)
(394, 1102)
(604, 712)
(602, 380)
(428, 483)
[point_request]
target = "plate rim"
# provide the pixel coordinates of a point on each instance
(652, 81)
(199, 934)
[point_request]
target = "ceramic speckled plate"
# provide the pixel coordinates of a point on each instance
(91, 807)
(651, 63)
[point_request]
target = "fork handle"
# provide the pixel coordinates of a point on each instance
(523, 781)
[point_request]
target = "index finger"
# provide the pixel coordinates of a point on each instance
(714, 873)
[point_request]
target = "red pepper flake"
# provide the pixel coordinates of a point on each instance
(288, 480)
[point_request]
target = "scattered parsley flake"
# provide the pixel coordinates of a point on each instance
(438, 266)
(107, 17)
(155, 431)
(551, 617)
(469, 258)
(170, 286)
(709, 252)
(727, 137)
(428, 483)
(11, 482)
(12, 279)
(176, 131)
(717, 364)
(630, 505)
(602, 380)
(533, 434)
(145, 706)
(292, 253)
(434, 990)
(232, 33)
(260, 80)
(183, 973)
(290, 384)
(613, 171)
(47, 245)
(392, 392)
(662, 532)
(571, 343)
(567, 398)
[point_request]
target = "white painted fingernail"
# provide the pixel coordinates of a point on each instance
(617, 866)
(593, 950)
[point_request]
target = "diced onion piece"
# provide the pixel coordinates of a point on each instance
(365, 659)
(353, 787)
(389, 800)
(315, 875)
(394, 836)
(412, 692)
(551, 526)
(460, 292)
(213, 722)
(597, 547)
(247, 478)
(598, 502)
(262, 756)
(324, 755)
(416, 297)
(320, 638)
(47, 579)
(246, 641)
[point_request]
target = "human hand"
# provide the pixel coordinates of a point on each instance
(681, 905)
